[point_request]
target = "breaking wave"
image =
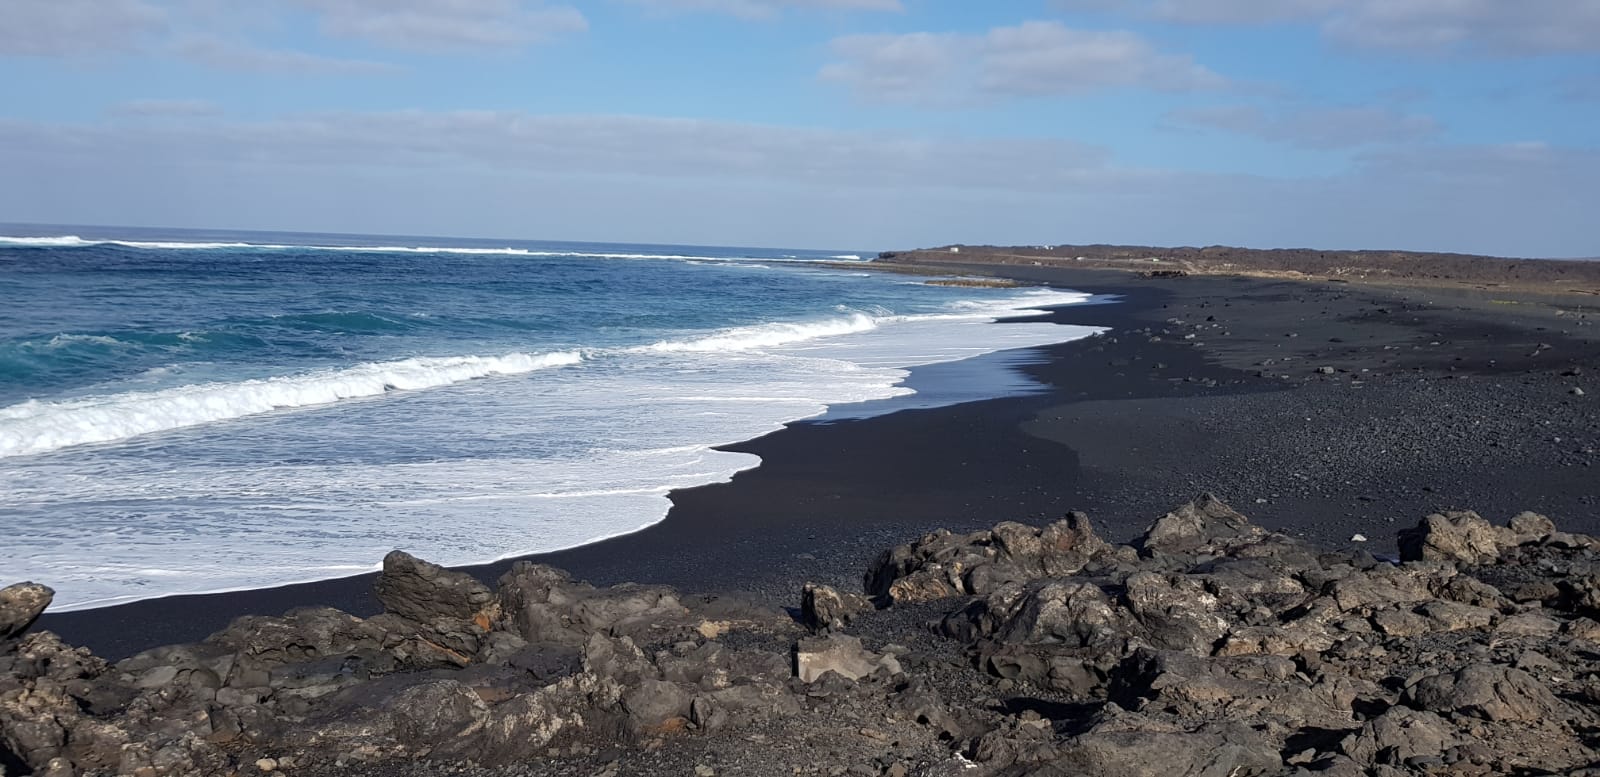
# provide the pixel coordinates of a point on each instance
(74, 241)
(37, 427)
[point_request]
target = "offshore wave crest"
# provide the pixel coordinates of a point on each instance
(74, 241)
(38, 427)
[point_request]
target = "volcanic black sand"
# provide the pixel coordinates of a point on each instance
(1327, 410)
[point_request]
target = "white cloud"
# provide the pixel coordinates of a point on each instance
(220, 34)
(606, 145)
(1317, 128)
(241, 56)
(58, 28)
(1491, 27)
(1523, 27)
(1033, 58)
(177, 108)
(1232, 11)
(768, 9)
(444, 24)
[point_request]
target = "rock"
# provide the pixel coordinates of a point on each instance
(843, 655)
(1577, 392)
(1381, 586)
(1398, 735)
(654, 704)
(1456, 537)
(1452, 616)
(436, 712)
(1220, 649)
(1325, 370)
(1066, 612)
(1235, 688)
(1488, 691)
(823, 607)
(542, 604)
(20, 606)
(1530, 527)
(1175, 611)
(422, 591)
(1206, 522)
(1528, 624)
(1132, 746)
(942, 565)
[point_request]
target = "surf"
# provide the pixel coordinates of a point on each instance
(37, 427)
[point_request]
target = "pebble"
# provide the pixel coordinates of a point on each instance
(701, 770)
(1358, 538)
(267, 765)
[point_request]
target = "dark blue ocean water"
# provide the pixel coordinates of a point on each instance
(200, 411)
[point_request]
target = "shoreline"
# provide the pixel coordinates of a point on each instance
(1126, 420)
(120, 629)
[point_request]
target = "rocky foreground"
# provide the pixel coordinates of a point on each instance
(1208, 646)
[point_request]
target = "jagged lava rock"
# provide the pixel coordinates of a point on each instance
(20, 606)
(423, 591)
(1457, 537)
(825, 607)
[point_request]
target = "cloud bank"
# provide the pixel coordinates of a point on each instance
(683, 180)
(1500, 28)
(1036, 58)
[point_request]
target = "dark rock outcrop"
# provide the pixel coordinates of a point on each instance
(20, 606)
(1208, 646)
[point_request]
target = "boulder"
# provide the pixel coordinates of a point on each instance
(1398, 735)
(1530, 527)
(1133, 746)
(1205, 524)
(1489, 691)
(824, 607)
(424, 592)
(542, 604)
(1242, 688)
(842, 655)
(656, 704)
(20, 606)
(1067, 612)
(1455, 537)
(1175, 611)
(942, 565)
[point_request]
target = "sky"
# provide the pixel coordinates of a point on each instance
(1454, 125)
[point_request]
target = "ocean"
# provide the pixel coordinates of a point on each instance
(188, 412)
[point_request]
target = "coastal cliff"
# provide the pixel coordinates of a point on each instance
(1207, 645)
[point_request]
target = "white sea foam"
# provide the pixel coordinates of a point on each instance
(73, 241)
(36, 427)
(767, 335)
(66, 339)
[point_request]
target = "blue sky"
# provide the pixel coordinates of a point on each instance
(1463, 125)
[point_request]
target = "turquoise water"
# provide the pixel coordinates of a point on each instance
(186, 412)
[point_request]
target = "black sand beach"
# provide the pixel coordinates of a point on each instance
(1325, 410)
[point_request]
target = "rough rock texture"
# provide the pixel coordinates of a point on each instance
(1206, 647)
(943, 564)
(825, 607)
(20, 606)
